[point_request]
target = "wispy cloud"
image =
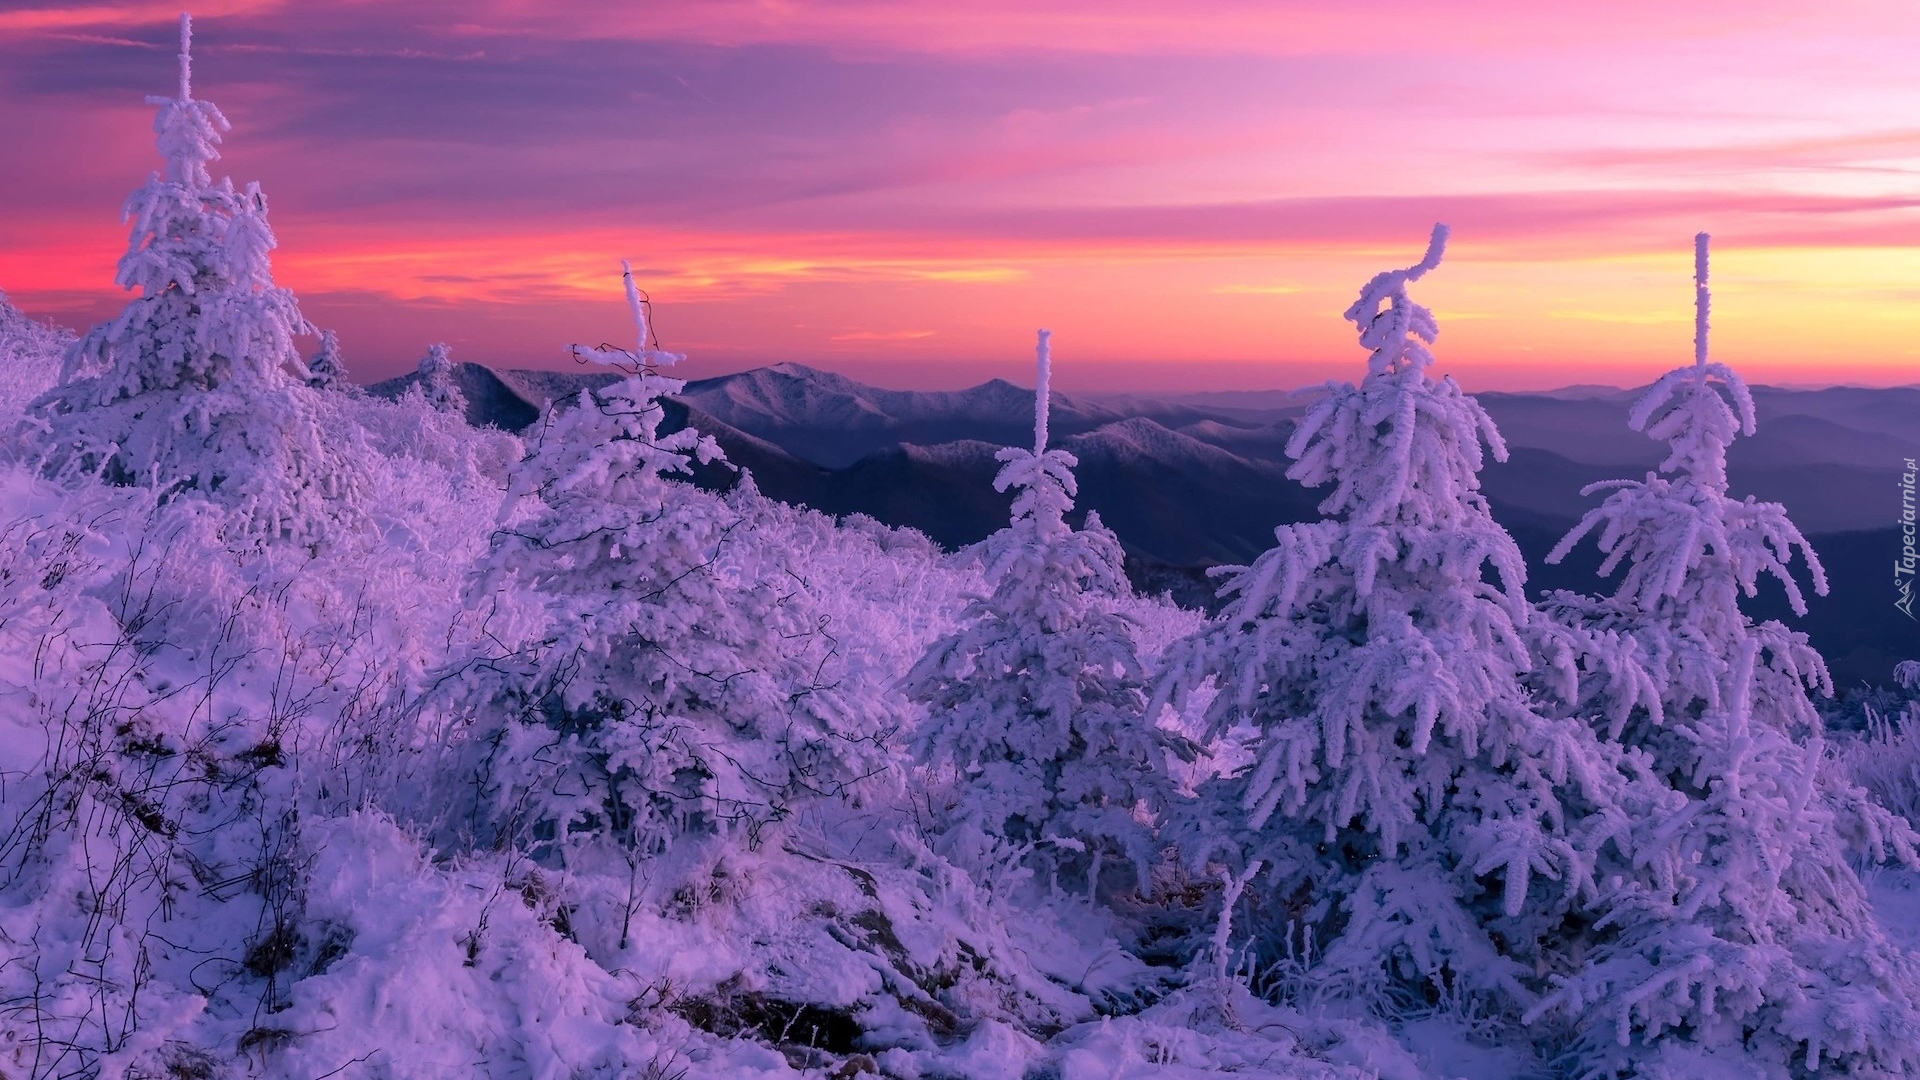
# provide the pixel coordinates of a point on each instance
(883, 335)
(1632, 318)
(1256, 290)
(44, 18)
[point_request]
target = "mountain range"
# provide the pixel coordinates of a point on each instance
(1198, 480)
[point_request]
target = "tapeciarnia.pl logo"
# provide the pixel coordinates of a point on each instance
(1903, 567)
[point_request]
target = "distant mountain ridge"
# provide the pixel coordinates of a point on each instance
(1199, 480)
(1825, 454)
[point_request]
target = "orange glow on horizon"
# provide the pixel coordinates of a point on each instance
(1783, 315)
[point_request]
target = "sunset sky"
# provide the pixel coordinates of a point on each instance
(1188, 194)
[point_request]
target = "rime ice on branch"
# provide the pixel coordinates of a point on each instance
(1038, 701)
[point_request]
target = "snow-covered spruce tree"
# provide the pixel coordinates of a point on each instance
(1407, 803)
(678, 679)
(1739, 921)
(194, 386)
(1038, 701)
(437, 382)
(325, 369)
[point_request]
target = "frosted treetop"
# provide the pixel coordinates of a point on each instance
(438, 361)
(1041, 391)
(1400, 333)
(1044, 477)
(1400, 448)
(646, 353)
(188, 131)
(1685, 410)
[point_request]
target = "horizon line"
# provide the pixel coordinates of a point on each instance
(1794, 387)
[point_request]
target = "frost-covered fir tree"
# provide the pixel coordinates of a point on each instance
(1737, 920)
(1038, 701)
(325, 369)
(1407, 803)
(437, 381)
(678, 678)
(194, 387)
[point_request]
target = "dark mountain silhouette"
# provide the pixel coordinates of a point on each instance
(1199, 480)
(492, 401)
(835, 421)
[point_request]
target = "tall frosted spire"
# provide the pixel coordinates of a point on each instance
(639, 308)
(1041, 391)
(186, 57)
(1701, 300)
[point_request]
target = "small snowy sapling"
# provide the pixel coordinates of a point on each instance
(438, 380)
(325, 369)
(676, 683)
(1038, 701)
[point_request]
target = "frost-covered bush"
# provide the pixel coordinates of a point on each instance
(1407, 803)
(156, 714)
(1038, 701)
(1732, 915)
(1885, 757)
(410, 429)
(30, 355)
(325, 368)
(882, 595)
(437, 383)
(194, 386)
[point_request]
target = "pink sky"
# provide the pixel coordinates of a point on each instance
(1188, 195)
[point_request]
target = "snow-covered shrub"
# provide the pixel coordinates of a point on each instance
(184, 726)
(325, 369)
(1884, 757)
(194, 386)
(1038, 700)
(1731, 915)
(150, 812)
(1409, 805)
(1880, 742)
(30, 355)
(437, 383)
(409, 429)
(881, 595)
